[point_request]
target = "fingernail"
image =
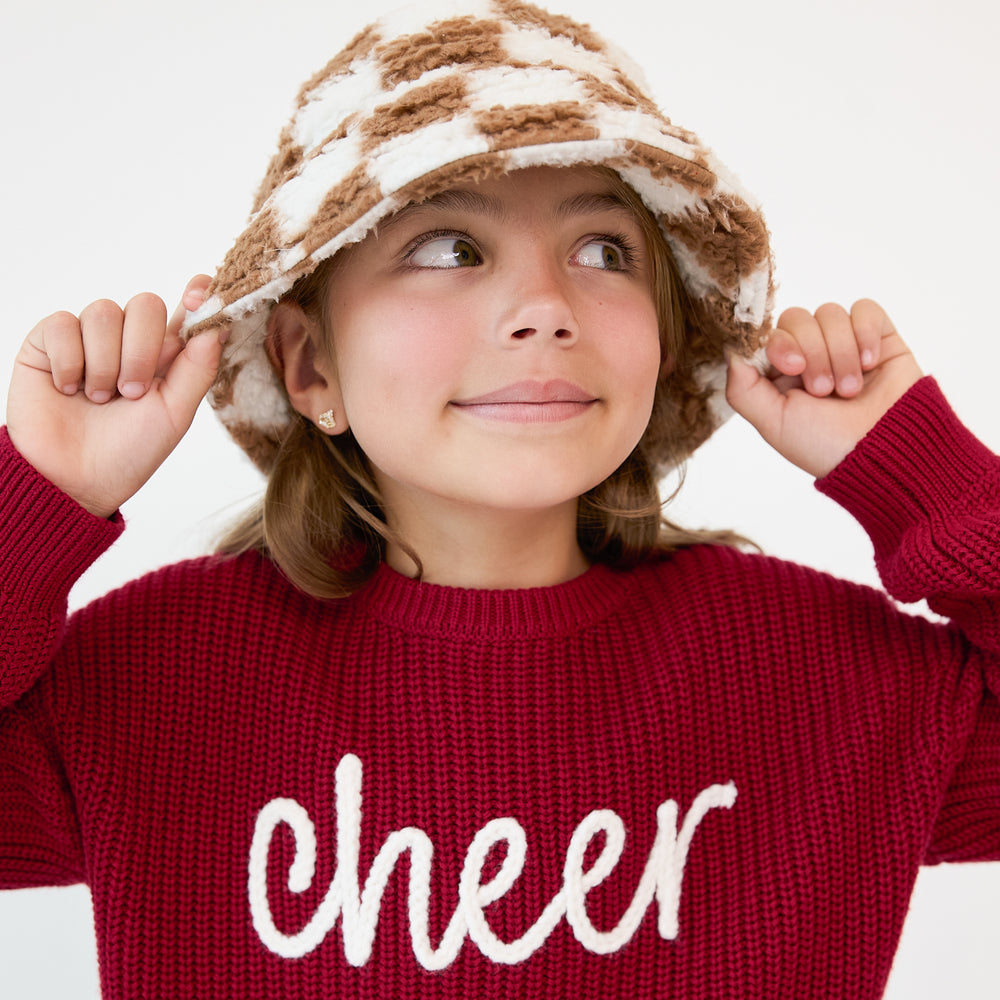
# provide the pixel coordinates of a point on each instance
(867, 358)
(71, 389)
(224, 333)
(823, 385)
(132, 390)
(849, 384)
(100, 396)
(193, 299)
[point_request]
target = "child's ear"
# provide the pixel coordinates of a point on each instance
(309, 375)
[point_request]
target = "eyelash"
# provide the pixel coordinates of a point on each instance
(625, 245)
(435, 234)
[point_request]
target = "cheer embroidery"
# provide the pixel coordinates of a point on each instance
(358, 909)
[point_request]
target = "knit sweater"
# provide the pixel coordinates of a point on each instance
(715, 775)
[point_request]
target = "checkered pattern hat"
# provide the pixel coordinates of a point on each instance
(453, 90)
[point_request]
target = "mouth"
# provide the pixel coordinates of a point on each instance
(530, 401)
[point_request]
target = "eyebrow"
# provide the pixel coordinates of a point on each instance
(593, 203)
(491, 207)
(464, 200)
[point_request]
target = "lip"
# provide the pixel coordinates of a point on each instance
(530, 402)
(532, 392)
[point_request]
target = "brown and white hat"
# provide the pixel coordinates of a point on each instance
(452, 90)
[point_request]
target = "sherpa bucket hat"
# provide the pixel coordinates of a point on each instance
(454, 90)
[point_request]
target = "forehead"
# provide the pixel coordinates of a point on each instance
(557, 192)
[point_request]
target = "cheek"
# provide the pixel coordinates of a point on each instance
(397, 366)
(639, 363)
(635, 354)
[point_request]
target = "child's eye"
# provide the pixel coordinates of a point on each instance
(606, 254)
(444, 251)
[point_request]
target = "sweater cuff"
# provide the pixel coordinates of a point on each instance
(47, 538)
(919, 462)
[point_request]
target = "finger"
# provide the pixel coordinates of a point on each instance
(803, 328)
(826, 340)
(784, 353)
(192, 298)
(752, 396)
(101, 327)
(842, 349)
(871, 325)
(143, 333)
(58, 348)
(191, 376)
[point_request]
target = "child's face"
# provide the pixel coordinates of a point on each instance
(497, 346)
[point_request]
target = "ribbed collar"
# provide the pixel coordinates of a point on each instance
(495, 615)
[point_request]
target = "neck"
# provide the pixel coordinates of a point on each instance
(497, 550)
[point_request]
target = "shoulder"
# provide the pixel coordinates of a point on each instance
(216, 593)
(726, 587)
(740, 617)
(193, 579)
(200, 630)
(731, 573)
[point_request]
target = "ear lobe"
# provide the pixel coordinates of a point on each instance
(310, 380)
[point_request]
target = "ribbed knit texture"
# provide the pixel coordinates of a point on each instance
(818, 744)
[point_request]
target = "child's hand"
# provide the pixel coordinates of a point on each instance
(835, 374)
(98, 401)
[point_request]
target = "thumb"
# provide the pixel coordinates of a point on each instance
(191, 375)
(753, 396)
(193, 297)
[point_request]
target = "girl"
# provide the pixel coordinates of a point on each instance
(470, 720)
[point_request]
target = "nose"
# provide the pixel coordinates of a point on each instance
(530, 331)
(538, 305)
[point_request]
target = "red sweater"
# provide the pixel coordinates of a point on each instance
(713, 776)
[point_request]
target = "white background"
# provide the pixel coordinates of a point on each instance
(134, 136)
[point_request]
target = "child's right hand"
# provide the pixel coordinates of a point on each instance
(97, 402)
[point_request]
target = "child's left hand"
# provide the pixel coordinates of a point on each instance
(834, 375)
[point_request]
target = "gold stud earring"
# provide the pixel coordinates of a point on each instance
(327, 420)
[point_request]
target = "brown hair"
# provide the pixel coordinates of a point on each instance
(321, 521)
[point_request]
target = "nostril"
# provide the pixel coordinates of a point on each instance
(563, 334)
(521, 334)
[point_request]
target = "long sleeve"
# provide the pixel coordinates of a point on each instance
(47, 541)
(934, 518)
(928, 494)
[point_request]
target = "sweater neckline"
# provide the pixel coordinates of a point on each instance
(530, 613)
